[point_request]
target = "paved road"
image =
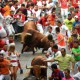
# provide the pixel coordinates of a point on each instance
(26, 59)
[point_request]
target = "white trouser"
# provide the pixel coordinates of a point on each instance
(10, 29)
(45, 29)
(69, 33)
(5, 77)
(64, 12)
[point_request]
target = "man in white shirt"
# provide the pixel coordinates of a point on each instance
(63, 28)
(14, 7)
(49, 5)
(50, 31)
(64, 8)
(77, 75)
(55, 53)
(39, 3)
(36, 12)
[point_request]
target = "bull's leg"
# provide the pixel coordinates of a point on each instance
(33, 51)
(43, 50)
(24, 48)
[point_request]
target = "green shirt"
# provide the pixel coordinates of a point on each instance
(64, 62)
(77, 51)
(69, 23)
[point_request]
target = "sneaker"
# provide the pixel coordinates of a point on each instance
(21, 71)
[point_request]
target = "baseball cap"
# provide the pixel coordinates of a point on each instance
(76, 16)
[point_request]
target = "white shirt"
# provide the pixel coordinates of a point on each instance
(1, 19)
(9, 44)
(13, 8)
(53, 55)
(48, 33)
(63, 29)
(39, 3)
(1, 77)
(29, 15)
(13, 57)
(50, 5)
(56, 54)
(37, 13)
(77, 75)
(8, 19)
(50, 51)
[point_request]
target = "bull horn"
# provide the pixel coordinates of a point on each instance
(28, 34)
(43, 67)
(18, 34)
(30, 67)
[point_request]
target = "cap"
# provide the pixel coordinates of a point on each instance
(76, 16)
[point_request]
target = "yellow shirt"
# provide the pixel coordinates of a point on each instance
(6, 10)
(64, 62)
(69, 23)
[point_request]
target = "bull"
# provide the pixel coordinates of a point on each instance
(28, 25)
(38, 69)
(35, 39)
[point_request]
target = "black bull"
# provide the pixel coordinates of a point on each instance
(34, 40)
(38, 69)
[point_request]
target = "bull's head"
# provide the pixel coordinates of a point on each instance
(23, 34)
(36, 70)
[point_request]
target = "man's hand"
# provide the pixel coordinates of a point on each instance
(76, 54)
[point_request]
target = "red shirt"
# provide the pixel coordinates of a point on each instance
(43, 21)
(74, 3)
(22, 17)
(20, 1)
(34, 1)
(51, 19)
(63, 4)
(78, 14)
(2, 43)
(60, 39)
(78, 30)
(4, 68)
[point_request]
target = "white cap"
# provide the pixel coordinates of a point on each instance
(76, 16)
(1, 53)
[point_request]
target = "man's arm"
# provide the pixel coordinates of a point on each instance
(73, 63)
(75, 53)
(52, 60)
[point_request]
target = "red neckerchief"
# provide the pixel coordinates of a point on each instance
(11, 41)
(35, 10)
(4, 49)
(57, 70)
(0, 27)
